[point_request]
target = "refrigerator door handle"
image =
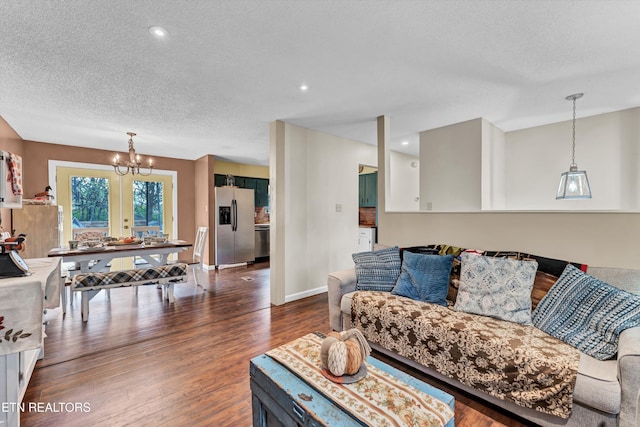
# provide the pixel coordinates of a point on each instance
(234, 215)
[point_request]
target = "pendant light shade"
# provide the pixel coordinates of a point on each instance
(574, 184)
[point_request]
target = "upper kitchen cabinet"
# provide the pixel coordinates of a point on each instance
(368, 190)
(259, 185)
(219, 180)
(262, 192)
(240, 181)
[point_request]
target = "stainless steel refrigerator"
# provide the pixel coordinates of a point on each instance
(235, 231)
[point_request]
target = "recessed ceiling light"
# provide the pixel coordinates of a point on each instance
(304, 87)
(158, 32)
(405, 142)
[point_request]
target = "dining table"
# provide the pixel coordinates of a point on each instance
(98, 258)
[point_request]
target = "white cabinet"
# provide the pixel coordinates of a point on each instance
(15, 372)
(23, 300)
(42, 225)
(366, 239)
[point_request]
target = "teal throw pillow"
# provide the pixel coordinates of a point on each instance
(424, 277)
(377, 270)
(587, 313)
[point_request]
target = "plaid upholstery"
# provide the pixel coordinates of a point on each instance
(126, 277)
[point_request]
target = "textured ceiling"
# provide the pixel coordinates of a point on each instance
(84, 73)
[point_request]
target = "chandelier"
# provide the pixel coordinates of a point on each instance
(574, 184)
(132, 166)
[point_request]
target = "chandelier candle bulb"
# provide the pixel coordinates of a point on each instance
(133, 165)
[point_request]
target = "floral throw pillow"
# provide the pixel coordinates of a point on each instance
(496, 287)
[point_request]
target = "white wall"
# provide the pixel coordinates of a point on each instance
(405, 181)
(450, 167)
(493, 167)
(597, 239)
(606, 147)
(319, 177)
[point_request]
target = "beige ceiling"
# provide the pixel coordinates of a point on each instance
(84, 73)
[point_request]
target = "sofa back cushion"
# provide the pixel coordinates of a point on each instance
(377, 270)
(424, 277)
(496, 287)
(587, 313)
(549, 269)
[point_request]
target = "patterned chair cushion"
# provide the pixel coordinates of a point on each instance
(587, 313)
(89, 235)
(89, 280)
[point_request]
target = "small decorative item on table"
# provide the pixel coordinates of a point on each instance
(93, 243)
(343, 354)
(124, 241)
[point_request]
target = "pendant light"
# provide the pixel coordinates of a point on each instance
(133, 164)
(574, 184)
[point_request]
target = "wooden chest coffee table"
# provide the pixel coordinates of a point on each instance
(288, 389)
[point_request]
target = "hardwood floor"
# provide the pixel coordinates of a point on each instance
(139, 361)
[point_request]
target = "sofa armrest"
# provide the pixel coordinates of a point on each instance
(338, 284)
(629, 376)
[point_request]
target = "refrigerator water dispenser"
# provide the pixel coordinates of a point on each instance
(224, 215)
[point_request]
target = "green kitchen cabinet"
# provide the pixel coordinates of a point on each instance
(368, 190)
(219, 180)
(260, 186)
(262, 192)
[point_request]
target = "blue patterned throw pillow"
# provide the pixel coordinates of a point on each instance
(587, 313)
(424, 277)
(496, 287)
(377, 270)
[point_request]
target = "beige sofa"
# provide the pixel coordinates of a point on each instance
(607, 393)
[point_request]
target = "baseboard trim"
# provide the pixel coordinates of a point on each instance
(240, 264)
(305, 294)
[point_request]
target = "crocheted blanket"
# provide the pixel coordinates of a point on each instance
(506, 360)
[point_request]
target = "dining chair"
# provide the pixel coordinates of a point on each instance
(140, 232)
(83, 235)
(94, 234)
(197, 261)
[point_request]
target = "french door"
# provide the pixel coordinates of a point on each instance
(97, 199)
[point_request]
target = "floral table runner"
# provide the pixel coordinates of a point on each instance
(379, 399)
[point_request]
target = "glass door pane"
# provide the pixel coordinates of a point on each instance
(90, 200)
(147, 204)
(98, 199)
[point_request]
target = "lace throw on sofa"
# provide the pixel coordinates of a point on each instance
(506, 360)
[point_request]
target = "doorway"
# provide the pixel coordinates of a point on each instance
(95, 197)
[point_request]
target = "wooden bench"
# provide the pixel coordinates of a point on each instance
(92, 283)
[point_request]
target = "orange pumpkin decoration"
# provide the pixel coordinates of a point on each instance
(343, 353)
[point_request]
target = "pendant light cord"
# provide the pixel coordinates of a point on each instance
(573, 146)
